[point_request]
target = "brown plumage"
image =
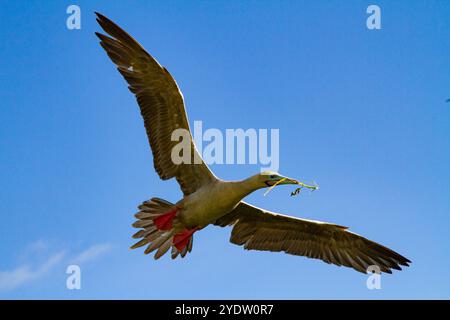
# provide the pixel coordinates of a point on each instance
(209, 200)
(258, 229)
(160, 101)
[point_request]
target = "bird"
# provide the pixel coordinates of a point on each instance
(208, 200)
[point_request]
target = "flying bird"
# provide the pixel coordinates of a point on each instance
(208, 200)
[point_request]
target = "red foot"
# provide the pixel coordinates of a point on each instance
(164, 222)
(180, 240)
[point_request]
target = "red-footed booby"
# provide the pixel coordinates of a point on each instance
(208, 200)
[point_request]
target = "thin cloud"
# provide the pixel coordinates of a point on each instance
(92, 253)
(38, 246)
(14, 278)
(29, 272)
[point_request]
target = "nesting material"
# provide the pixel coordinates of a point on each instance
(296, 191)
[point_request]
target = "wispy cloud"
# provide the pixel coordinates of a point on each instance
(38, 246)
(14, 278)
(28, 272)
(92, 253)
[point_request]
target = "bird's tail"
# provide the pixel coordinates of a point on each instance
(155, 218)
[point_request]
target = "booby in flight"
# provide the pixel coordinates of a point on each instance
(209, 200)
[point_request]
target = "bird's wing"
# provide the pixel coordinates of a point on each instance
(161, 104)
(258, 229)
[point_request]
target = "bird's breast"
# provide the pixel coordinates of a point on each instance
(206, 205)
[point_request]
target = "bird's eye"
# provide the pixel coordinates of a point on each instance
(272, 176)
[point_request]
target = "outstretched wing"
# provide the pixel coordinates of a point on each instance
(161, 104)
(258, 229)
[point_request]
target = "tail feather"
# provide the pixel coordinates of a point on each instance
(189, 246)
(139, 234)
(155, 235)
(175, 252)
(145, 232)
(164, 248)
(158, 242)
(155, 203)
(183, 252)
(163, 202)
(152, 234)
(143, 223)
(141, 243)
(149, 214)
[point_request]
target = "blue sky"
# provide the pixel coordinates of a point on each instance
(362, 112)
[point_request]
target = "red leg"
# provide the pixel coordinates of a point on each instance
(165, 221)
(180, 240)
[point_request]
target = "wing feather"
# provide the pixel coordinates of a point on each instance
(161, 104)
(258, 229)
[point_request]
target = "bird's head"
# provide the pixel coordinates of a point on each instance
(270, 178)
